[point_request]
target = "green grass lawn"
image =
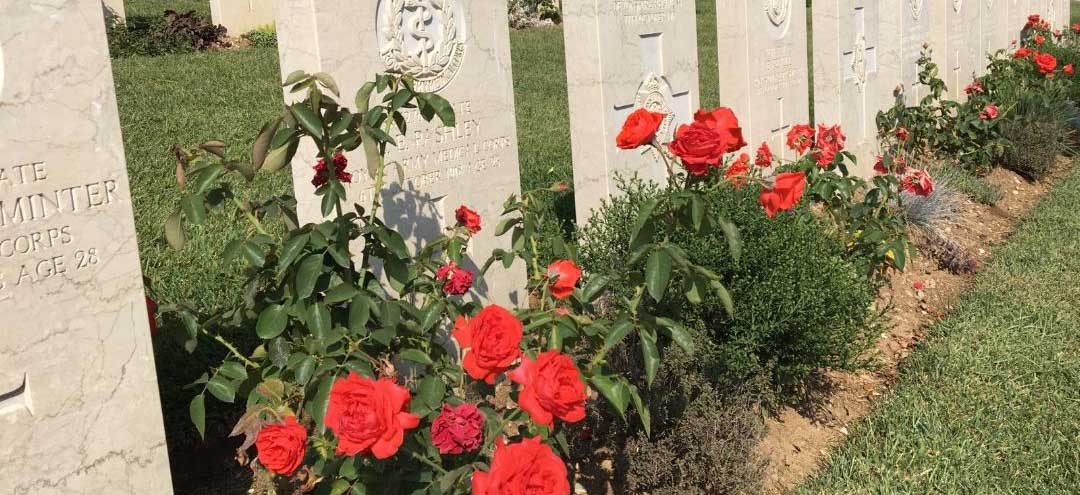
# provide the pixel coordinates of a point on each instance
(991, 402)
(133, 8)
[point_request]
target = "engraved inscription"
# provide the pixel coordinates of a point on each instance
(30, 255)
(641, 12)
(776, 71)
(424, 39)
(777, 11)
(916, 8)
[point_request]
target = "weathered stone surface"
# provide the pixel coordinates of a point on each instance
(114, 10)
(763, 65)
(956, 44)
(906, 26)
(79, 408)
(622, 55)
(846, 89)
(241, 16)
(993, 25)
(474, 164)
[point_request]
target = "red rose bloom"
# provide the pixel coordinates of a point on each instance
(800, 138)
(764, 156)
(456, 280)
(639, 129)
(899, 165)
(1039, 40)
(369, 416)
(918, 182)
(974, 87)
(1046, 62)
(989, 113)
(737, 171)
(551, 388)
(1022, 52)
(785, 193)
(151, 312)
(566, 275)
(902, 133)
(1076, 28)
(1068, 69)
(724, 121)
(458, 429)
(468, 218)
(493, 340)
(879, 166)
(322, 174)
(830, 141)
(281, 446)
(703, 143)
(526, 468)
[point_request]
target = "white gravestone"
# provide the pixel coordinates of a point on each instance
(622, 55)
(79, 407)
(458, 48)
(993, 21)
(846, 89)
(114, 10)
(1018, 11)
(956, 43)
(761, 48)
(241, 16)
(905, 27)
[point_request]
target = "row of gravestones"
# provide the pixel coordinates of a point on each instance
(79, 408)
(238, 16)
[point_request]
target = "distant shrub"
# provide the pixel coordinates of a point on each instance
(974, 187)
(799, 306)
(1037, 140)
(526, 13)
(171, 33)
(262, 36)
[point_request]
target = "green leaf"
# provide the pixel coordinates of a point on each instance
(277, 158)
(194, 206)
(416, 356)
(613, 391)
(678, 333)
(340, 292)
(318, 404)
(319, 321)
(650, 354)
(339, 487)
(725, 297)
(233, 370)
(294, 77)
(431, 392)
(658, 274)
(621, 330)
(272, 321)
(642, 409)
(308, 274)
(327, 81)
(197, 411)
(443, 109)
(174, 231)
(308, 119)
(304, 370)
(640, 234)
(291, 250)
(397, 272)
(359, 313)
(595, 287)
(731, 234)
(222, 389)
(261, 147)
(279, 352)
(254, 254)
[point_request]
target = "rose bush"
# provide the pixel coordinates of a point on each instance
(401, 378)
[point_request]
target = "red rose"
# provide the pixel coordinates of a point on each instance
(493, 340)
(456, 280)
(1057, 34)
(1076, 28)
(1039, 40)
(800, 138)
(902, 133)
(704, 142)
(785, 193)
(918, 182)
(322, 174)
(1068, 69)
(639, 129)
(764, 156)
(830, 141)
(974, 87)
(551, 388)
(1022, 52)
(899, 165)
(566, 275)
(1046, 62)
(989, 113)
(281, 446)
(151, 312)
(468, 219)
(369, 416)
(737, 171)
(458, 429)
(879, 165)
(529, 467)
(723, 120)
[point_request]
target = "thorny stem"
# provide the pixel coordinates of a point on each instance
(251, 217)
(232, 349)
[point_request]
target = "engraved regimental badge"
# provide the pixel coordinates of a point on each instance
(424, 39)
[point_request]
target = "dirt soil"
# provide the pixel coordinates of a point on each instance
(798, 439)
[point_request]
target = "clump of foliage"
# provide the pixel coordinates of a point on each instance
(949, 255)
(934, 210)
(173, 32)
(528, 13)
(971, 185)
(262, 36)
(777, 329)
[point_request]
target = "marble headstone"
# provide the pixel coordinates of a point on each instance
(993, 20)
(79, 407)
(762, 58)
(1018, 10)
(114, 10)
(241, 16)
(956, 43)
(905, 27)
(622, 55)
(846, 89)
(457, 48)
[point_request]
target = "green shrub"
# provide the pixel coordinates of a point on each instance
(262, 36)
(973, 186)
(1036, 145)
(171, 33)
(799, 306)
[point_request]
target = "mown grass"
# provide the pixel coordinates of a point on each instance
(991, 402)
(133, 8)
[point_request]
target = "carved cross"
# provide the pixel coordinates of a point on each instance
(859, 63)
(655, 92)
(778, 134)
(18, 399)
(957, 73)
